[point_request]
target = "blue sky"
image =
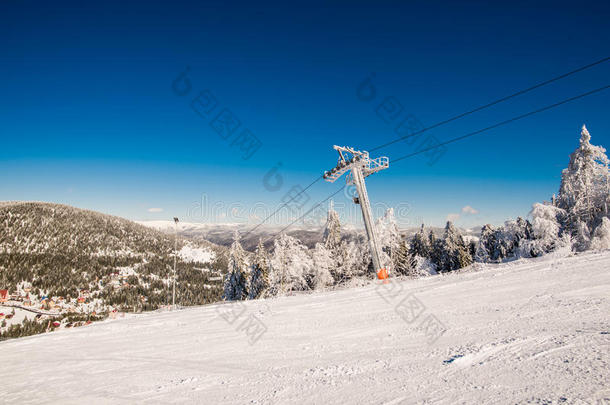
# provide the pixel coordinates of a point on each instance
(88, 116)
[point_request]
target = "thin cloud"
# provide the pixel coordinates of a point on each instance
(155, 210)
(469, 210)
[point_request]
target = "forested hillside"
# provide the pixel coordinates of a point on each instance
(86, 261)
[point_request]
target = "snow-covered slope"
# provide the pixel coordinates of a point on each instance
(534, 331)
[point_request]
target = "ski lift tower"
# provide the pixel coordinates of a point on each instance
(360, 165)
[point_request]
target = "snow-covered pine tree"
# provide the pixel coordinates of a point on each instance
(323, 263)
(486, 245)
(420, 244)
(236, 281)
(454, 252)
(389, 239)
(581, 236)
(259, 272)
(525, 229)
(601, 236)
(472, 247)
(524, 232)
(336, 247)
(292, 265)
(463, 256)
(585, 185)
(332, 229)
(437, 251)
(503, 243)
(510, 240)
(357, 260)
(404, 264)
(547, 230)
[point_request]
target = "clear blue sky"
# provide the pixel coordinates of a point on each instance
(88, 116)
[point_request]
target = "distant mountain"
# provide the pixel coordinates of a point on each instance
(87, 261)
(222, 234)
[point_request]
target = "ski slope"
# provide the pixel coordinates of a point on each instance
(532, 331)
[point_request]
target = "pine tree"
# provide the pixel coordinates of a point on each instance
(547, 229)
(502, 246)
(323, 264)
(601, 236)
(420, 244)
(334, 245)
(585, 185)
(259, 273)
(509, 240)
(345, 263)
(522, 234)
(358, 262)
(342, 269)
(332, 229)
(236, 282)
(453, 250)
(436, 251)
(404, 264)
(389, 239)
(472, 248)
(525, 229)
(486, 245)
(581, 236)
(292, 266)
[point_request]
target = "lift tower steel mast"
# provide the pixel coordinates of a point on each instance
(360, 166)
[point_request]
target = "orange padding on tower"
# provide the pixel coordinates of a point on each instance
(382, 274)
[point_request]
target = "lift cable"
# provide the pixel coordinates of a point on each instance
(498, 101)
(455, 140)
(438, 124)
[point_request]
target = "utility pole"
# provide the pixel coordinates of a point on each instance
(175, 260)
(360, 166)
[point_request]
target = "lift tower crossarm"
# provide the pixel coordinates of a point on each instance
(360, 165)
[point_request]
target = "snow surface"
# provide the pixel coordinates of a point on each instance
(536, 331)
(20, 315)
(190, 253)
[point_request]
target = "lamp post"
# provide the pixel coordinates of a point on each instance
(175, 260)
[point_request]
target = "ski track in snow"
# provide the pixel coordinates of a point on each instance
(532, 331)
